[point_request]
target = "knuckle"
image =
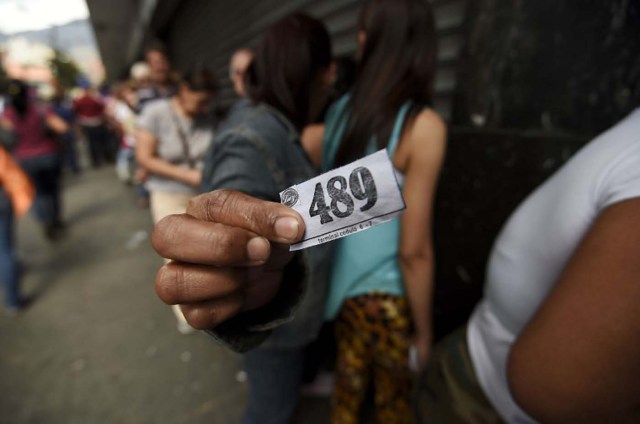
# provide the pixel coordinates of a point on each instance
(227, 244)
(193, 205)
(217, 204)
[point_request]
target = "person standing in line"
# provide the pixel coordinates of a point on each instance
(238, 74)
(156, 82)
(238, 66)
(381, 280)
(122, 119)
(172, 138)
(90, 111)
(344, 71)
(63, 107)
(161, 83)
(258, 152)
(38, 153)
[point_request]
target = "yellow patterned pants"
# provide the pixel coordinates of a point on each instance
(373, 334)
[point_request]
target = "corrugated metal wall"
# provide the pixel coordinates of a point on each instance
(211, 30)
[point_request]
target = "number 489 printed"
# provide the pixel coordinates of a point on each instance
(346, 200)
(361, 185)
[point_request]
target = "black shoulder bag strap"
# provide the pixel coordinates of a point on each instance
(183, 139)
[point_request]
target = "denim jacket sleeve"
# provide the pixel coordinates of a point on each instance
(238, 161)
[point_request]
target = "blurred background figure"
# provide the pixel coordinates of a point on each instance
(238, 66)
(160, 83)
(16, 196)
(139, 74)
(62, 106)
(38, 152)
(171, 140)
(156, 81)
(90, 112)
(122, 119)
(344, 75)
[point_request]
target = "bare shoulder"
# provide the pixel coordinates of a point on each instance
(424, 139)
(429, 124)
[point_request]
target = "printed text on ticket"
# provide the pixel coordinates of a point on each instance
(346, 200)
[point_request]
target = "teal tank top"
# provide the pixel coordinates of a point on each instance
(365, 262)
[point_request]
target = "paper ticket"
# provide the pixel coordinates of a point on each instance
(346, 200)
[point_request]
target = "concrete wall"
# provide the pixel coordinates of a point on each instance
(538, 80)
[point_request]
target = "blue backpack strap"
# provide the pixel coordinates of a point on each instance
(335, 126)
(397, 128)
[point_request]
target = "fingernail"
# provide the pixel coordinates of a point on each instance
(287, 227)
(258, 249)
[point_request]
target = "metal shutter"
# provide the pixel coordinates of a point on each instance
(210, 31)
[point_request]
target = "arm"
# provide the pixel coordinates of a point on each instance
(146, 155)
(8, 136)
(311, 140)
(115, 125)
(236, 162)
(5, 124)
(56, 123)
(423, 150)
(578, 360)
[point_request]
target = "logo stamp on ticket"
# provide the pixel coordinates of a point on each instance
(346, 200)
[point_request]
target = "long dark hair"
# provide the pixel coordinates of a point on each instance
(397, 64)
(18, 92)
(289, 57)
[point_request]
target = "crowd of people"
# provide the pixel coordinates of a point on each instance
(553, 340)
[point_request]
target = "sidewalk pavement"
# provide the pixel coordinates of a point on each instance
(97, 345)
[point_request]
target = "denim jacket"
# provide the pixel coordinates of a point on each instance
(257, 151)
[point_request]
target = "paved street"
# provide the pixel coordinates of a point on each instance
(97, 345)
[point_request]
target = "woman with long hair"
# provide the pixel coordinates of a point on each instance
(381, 280)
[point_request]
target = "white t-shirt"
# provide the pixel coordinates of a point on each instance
(159, 118)
(127, 118)
(536, 243)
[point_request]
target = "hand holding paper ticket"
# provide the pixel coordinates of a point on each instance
(346, 200)
(228, 253)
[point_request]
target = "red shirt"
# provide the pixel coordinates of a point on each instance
(32, 140)
(88, 108)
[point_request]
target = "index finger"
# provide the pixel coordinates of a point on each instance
(270, 220)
